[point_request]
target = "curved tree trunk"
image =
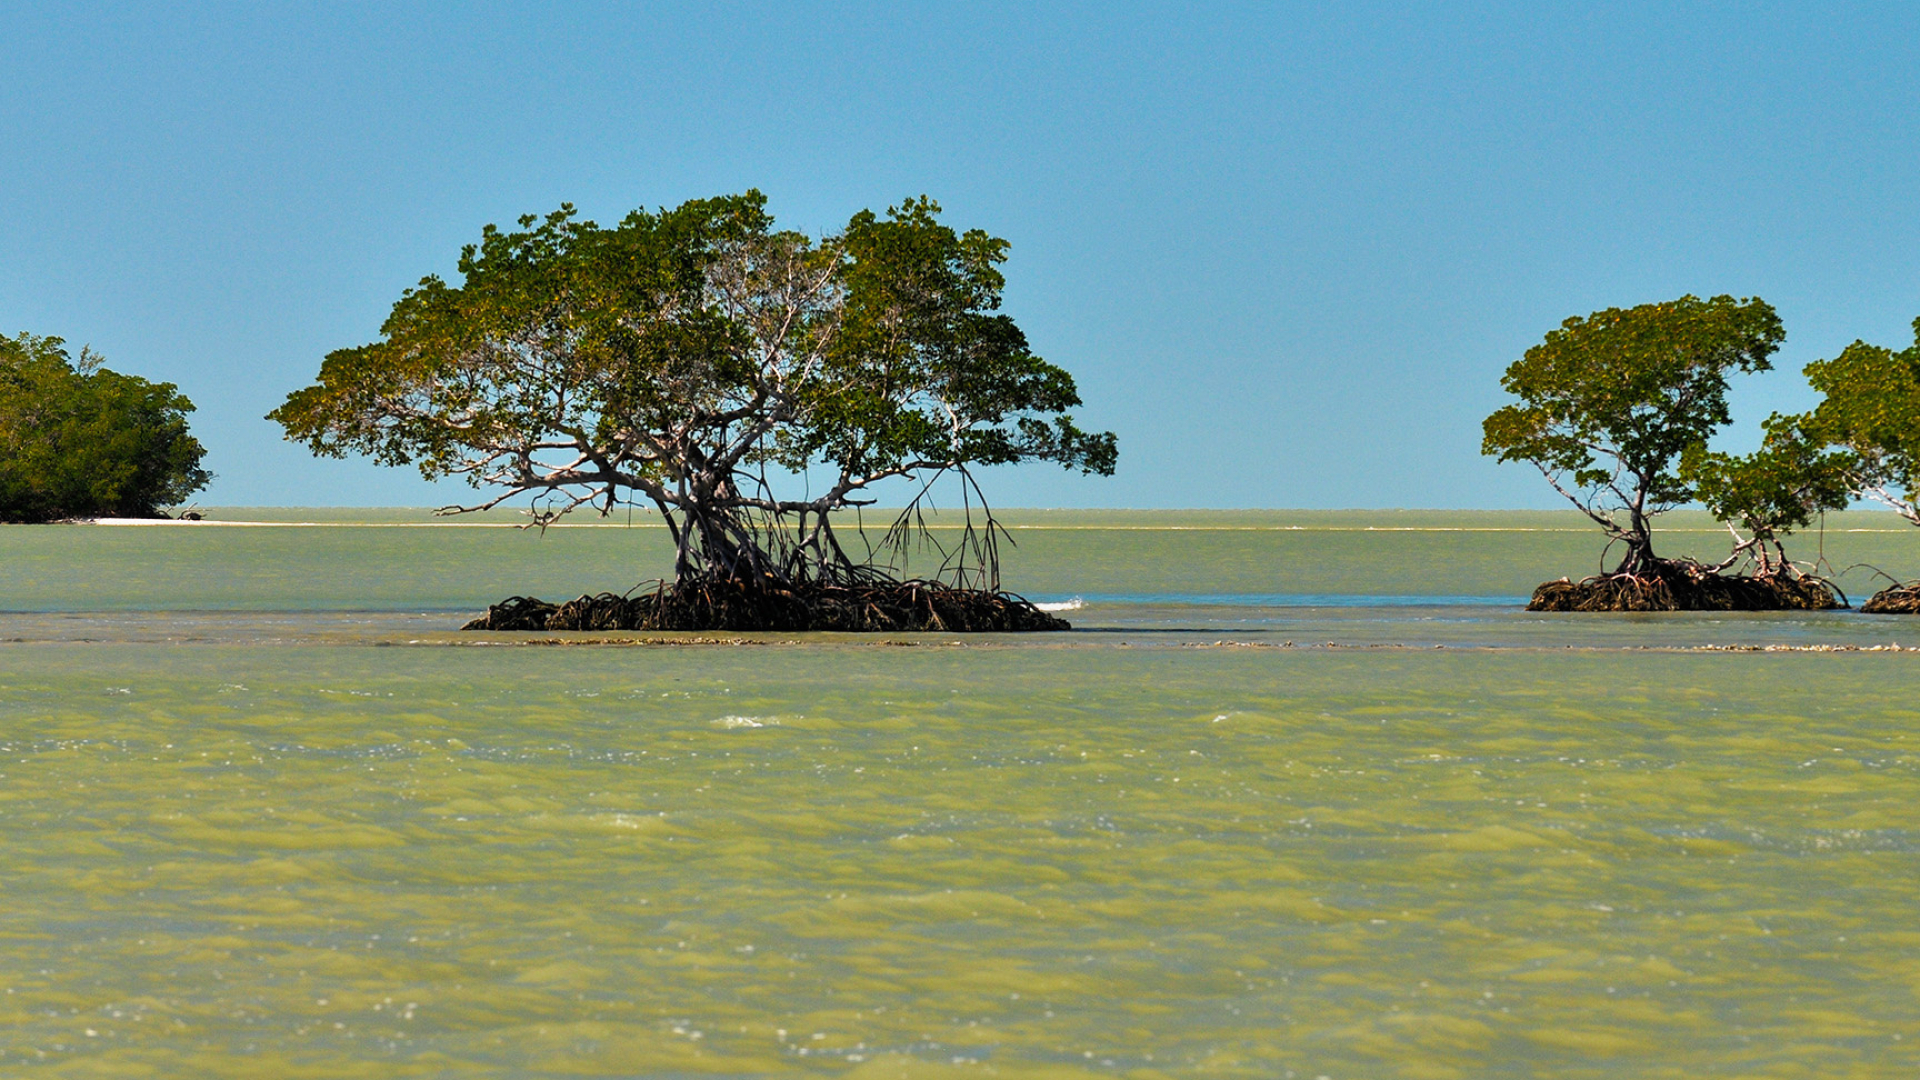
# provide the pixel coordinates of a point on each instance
(1639, 558)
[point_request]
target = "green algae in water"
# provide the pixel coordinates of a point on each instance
(278, 840)
(232, 861)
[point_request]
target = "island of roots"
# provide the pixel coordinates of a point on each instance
(1898, 600)
(1674, 586)
(730, 604)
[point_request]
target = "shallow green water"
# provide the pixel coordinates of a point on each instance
(411, 560)
(266, 842)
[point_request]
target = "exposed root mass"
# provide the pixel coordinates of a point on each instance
(734, 605)
(1898, 600)
(1682, 587)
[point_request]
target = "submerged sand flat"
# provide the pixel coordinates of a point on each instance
(266, 814)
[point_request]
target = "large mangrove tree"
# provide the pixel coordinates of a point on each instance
(746, 382)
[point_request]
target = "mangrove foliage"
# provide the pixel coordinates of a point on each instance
(79, 440)
(1615, 409)
(744, 381)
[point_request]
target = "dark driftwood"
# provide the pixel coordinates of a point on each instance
(1684, 587)
(1898, 600)
(734, 605)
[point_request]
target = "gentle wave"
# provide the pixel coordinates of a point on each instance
(1074, 604)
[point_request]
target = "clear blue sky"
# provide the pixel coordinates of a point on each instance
(1286, 249)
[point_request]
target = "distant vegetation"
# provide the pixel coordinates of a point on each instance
(744, 381)
(79, 440)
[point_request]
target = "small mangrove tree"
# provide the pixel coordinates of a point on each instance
(1869, 413)
(1771, 493)
(1609, 405)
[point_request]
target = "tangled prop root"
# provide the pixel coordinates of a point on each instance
(1681, 587)
(734, 605)
(1899, 600)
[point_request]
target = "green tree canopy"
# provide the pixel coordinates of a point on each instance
(78, 440)
(1870, 407)
(702, 359)
(1609, 403)
(1771, 492)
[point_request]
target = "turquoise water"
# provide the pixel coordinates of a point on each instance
(1243, 821)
